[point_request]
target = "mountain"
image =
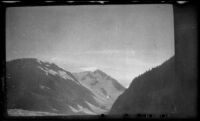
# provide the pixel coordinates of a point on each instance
(102, 85)
(158, 91)
(34, 85)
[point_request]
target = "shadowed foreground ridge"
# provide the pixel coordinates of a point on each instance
(157, 91)
(151, 92)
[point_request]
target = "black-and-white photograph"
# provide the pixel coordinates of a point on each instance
(94, 59)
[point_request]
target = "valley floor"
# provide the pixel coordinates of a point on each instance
(21, 112)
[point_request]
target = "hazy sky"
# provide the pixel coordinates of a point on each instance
(121, 40)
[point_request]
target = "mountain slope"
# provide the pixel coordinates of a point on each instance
(157, 91)
(41, 86)
(103, 86)
(151, 92)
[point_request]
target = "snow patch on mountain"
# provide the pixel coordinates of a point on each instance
(73, 109)
(60, 73)
(64, 75)
(39, 61)
(47, 64)
(44, 87)
(85, 110)
(52, 72)
(46, 72)
(107, 97)
(95, 108)
(81, 109)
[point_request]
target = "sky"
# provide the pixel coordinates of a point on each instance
(121, 40)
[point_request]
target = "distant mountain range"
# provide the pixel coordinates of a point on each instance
(34, 85)
(158, 91)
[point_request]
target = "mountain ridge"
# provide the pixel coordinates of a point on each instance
(41, 86)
